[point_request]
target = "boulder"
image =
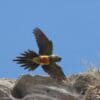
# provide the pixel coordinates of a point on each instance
(85, 86)
(41, 88)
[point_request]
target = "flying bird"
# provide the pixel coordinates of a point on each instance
(31, 60)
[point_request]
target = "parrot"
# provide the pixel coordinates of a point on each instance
(45, 58)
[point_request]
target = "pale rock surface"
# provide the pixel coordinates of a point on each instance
(84, 86)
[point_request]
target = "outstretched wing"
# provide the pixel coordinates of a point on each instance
(54, 71)
(26, 60)
(44, 44)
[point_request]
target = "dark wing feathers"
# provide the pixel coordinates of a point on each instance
(45, 48)
(54, 71)
(44, 44)
(26, 60)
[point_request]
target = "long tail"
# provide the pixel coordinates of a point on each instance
(25, 59)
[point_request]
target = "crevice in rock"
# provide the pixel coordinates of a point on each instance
(16, 93)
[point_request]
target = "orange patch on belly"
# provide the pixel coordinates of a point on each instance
(44, 60)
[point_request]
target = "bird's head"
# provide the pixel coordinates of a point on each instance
(54, 58)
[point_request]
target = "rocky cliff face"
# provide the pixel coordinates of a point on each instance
(76, 87)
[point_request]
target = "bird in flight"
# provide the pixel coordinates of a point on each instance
(31, 60)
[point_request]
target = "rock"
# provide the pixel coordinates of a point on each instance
(93, 93)
(5, 89)
(84, 86)
(83, 82)
(41, 88)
